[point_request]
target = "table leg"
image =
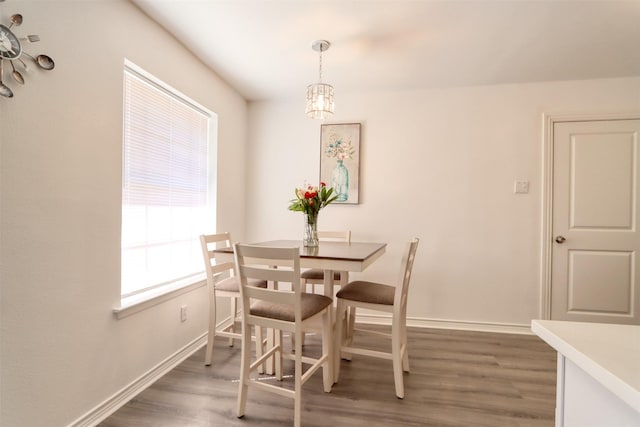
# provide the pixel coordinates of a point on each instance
(328, 291)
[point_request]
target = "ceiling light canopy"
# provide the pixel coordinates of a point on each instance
(320, 95)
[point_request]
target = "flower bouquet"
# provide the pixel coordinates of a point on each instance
(310, 200)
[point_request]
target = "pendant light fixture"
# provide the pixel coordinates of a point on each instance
(320, 95)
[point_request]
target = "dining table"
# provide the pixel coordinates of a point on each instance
(328, 256)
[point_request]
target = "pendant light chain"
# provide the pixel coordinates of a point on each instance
(320, 65)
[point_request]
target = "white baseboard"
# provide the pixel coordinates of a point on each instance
(119, 399)
(505, 328)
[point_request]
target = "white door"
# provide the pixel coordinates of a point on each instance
(595, 268)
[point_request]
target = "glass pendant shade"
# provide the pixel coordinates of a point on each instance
(320, 95)
(320, 101)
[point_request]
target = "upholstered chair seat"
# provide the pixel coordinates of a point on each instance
(315, 274)
(371, 292)
(310, 305)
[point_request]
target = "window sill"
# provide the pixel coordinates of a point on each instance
(145, 300)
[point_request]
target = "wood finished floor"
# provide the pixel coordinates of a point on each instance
(457, 378)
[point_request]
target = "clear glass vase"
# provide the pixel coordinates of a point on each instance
(310, 238)
(340, 181)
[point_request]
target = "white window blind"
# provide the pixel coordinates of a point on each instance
(165, 194)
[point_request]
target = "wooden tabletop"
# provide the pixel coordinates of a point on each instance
(353, 251)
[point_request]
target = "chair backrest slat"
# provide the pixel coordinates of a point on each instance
(335, 236)
(402, 287)
(276, 296)
(266, 273)
(222, 267)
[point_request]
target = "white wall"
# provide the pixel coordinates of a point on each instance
(62, 350)
(440, 165)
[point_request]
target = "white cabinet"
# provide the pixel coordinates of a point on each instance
(598, 372)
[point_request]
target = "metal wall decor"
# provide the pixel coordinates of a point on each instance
(12, 51)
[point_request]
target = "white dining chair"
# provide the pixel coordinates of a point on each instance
(379, 297)
(315, 276)
(222, 282)
(282, 310)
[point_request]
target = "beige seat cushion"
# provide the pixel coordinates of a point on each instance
(231, 284)
(310, 304)
(317, 274)
(370, 292)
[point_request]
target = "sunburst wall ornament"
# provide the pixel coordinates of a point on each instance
(12, 51)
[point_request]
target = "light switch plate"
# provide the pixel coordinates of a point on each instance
(521, 187)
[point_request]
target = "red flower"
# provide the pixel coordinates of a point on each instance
(310, 198)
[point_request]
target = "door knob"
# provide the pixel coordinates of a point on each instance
(560, 239)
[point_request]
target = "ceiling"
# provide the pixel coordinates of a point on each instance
(263, 47)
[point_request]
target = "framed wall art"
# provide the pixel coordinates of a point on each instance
(340, 160)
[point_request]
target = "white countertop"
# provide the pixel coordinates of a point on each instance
(609, 353)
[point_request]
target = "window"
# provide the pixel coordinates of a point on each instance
(167, 199)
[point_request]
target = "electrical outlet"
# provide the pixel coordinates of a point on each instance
(183, 313)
